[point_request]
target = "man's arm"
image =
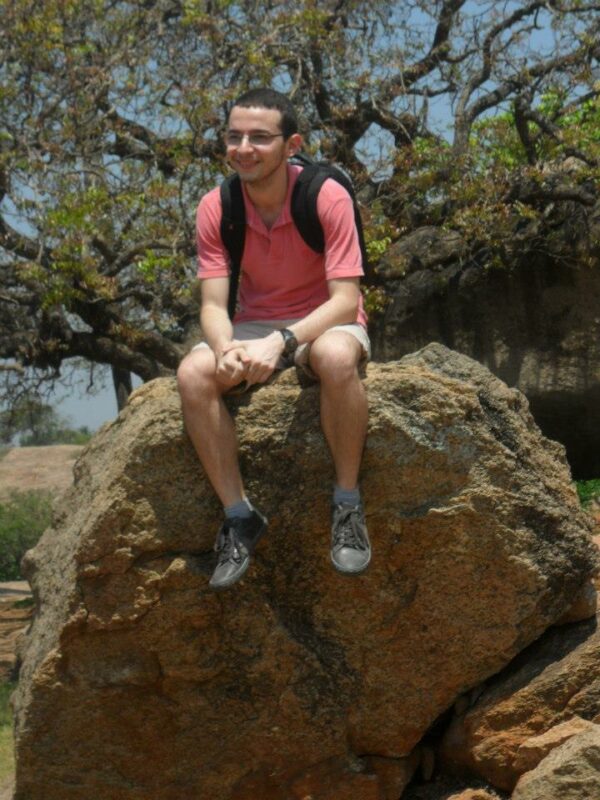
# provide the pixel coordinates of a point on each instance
(214, 319)
(231, 358)
(340, 309)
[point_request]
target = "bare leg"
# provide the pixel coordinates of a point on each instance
(334, 357)
(210, 425)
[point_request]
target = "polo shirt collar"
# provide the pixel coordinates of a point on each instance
(252, 216)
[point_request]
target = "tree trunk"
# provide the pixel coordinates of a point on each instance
(122, 383)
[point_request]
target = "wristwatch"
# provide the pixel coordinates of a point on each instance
(290, 343)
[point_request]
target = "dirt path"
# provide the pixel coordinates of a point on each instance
(7, 789)
(26, 468)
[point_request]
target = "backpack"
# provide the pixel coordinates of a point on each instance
(303, 209)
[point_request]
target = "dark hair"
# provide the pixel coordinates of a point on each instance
(269, 98)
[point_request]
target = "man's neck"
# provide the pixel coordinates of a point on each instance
(268, 197)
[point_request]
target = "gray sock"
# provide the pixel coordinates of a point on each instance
(240, 509)
(346, 497)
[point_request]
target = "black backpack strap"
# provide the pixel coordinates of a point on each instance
(233, 233)
(304, 207)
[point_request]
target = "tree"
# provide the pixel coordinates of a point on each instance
(35, 422)
(110, 120)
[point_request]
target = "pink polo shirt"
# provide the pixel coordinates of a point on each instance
(282, 277)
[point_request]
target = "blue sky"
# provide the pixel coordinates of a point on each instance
(91, 410)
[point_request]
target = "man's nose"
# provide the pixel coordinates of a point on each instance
(245, 143)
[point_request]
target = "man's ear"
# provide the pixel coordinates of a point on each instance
(294, 144)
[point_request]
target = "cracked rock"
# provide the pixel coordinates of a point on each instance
(139, 683)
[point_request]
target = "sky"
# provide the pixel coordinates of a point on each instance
(89, 410)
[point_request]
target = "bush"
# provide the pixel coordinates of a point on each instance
(7, 764)
(588, 491)
(23, 519)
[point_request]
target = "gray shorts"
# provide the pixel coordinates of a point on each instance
(259, 329)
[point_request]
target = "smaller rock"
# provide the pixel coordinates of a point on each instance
(553, 681)
(425, 248)
(473, 794)
(534, 749)
(570, 772)
(584, 605)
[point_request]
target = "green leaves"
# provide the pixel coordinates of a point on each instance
(110, 113)
(23, 519)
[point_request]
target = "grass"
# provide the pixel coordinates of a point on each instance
(7, 759)
(588, 491)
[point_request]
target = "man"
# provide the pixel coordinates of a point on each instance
(295, 305)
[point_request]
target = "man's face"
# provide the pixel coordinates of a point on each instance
(258, 151)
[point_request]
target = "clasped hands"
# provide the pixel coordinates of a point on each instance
(252, 360)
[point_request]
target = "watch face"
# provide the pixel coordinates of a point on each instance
(290, 341)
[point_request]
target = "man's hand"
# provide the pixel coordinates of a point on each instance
(261, 354)
(232, 364)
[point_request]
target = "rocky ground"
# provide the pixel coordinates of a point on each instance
(15, 612)
(24, 469)
(16, 607)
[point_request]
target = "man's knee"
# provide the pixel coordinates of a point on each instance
(196, 373)
(335, 356)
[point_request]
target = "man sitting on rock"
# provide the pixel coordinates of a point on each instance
(296, 306)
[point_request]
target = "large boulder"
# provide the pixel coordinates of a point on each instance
(139, 683)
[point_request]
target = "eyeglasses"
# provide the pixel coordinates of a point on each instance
(233, 139)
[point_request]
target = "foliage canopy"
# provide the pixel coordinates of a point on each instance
(110, 121)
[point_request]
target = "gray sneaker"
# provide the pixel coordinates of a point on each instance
(235, 544)
(350, 546)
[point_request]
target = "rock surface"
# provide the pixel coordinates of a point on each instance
(446, 787)
(138, 683)
(536, 326)
(551, 682)
(533, 750)
(570, 772)
(585, 604)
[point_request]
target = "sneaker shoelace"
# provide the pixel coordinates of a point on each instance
(226, 547)
(348, 531)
